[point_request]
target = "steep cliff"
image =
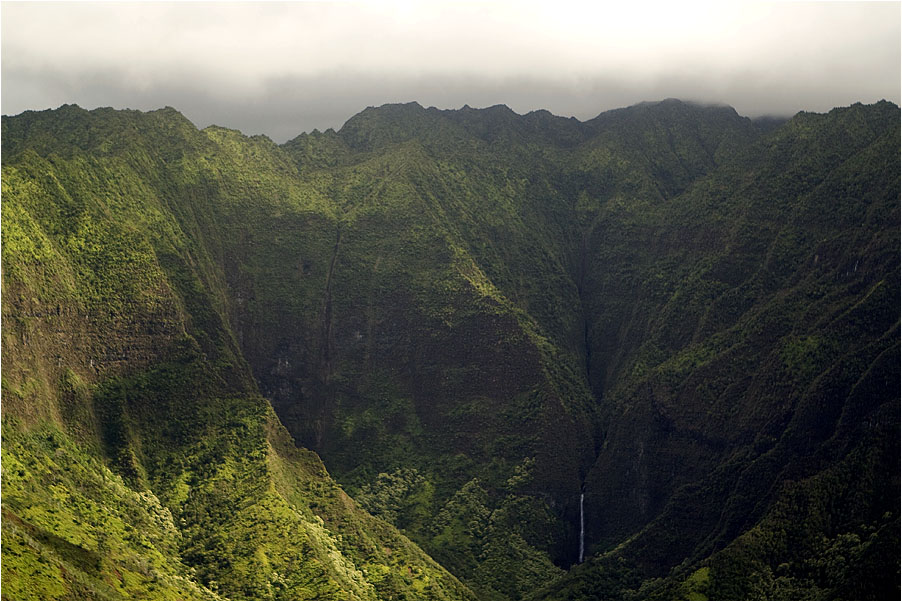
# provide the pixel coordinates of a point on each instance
(476, 319)
(139, 458)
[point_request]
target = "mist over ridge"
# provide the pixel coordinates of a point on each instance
(283, 68)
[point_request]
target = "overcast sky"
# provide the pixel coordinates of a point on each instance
(283, 68)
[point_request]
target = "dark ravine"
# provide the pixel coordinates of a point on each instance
(650, 355)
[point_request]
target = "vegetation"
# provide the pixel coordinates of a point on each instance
(142, 461)
(473, 317)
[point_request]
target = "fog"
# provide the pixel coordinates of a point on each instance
(283, 68)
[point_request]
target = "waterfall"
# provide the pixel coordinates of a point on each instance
(582, 529)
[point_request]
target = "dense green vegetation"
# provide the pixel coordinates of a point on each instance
(472, 317)
(139, 459)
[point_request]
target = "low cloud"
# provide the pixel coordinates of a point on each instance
(280, 69)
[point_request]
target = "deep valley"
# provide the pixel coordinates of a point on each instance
(443, 354)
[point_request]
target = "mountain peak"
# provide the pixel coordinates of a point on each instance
(376, 127)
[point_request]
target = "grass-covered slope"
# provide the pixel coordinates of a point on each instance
(473, 317)
(139, 459)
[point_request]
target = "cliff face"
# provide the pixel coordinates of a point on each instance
(473, 317)
(382, 325)
(140, 459)
(734, 388)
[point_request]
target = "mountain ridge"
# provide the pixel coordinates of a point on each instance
(475, 313)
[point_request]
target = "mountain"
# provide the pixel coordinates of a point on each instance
(667, 337)
(140, 460)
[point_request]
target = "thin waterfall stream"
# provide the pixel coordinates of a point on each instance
(582, 529)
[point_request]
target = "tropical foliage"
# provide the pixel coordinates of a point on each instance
(473, 317)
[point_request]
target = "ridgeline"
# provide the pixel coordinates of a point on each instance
(667, 337)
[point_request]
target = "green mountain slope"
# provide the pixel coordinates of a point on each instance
(756, 352)
(476, 319)
(119, 356)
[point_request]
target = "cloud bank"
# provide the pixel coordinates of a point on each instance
(284, 68)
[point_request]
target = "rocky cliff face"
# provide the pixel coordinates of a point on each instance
(475, 318)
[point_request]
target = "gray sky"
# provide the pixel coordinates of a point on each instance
(283, 68)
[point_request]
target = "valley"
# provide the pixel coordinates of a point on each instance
(452, 354)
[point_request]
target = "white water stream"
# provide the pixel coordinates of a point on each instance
(582, 529)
